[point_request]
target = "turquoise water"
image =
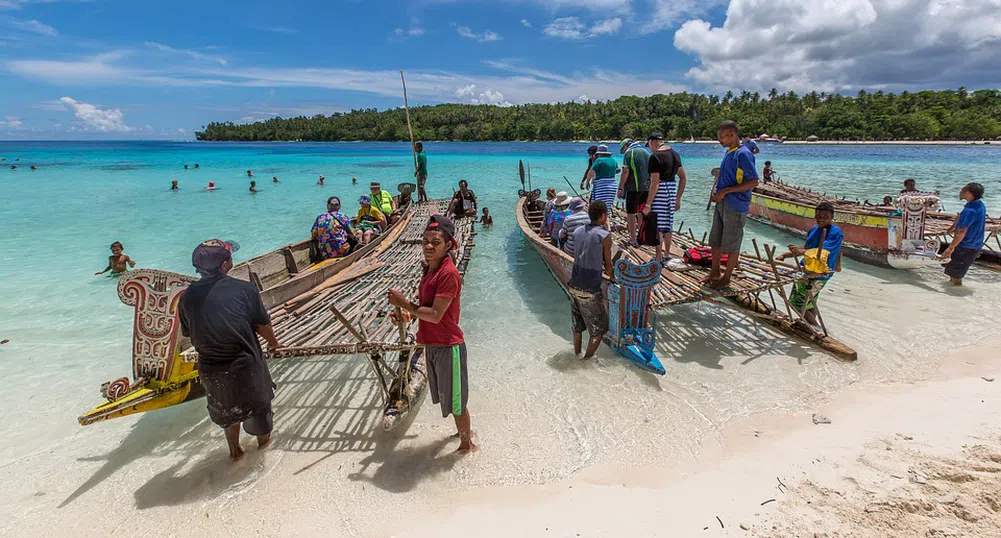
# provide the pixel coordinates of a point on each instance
(68, 331)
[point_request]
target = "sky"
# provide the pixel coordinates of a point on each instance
(133, 69)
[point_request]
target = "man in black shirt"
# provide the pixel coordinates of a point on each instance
(223, 316)
(463, 202)
(665, 193)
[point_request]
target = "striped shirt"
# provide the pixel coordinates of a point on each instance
(570, 226)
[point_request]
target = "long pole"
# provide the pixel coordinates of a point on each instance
(410, 129)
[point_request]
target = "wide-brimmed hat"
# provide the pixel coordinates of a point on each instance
(209, 256)
(603, 150)
(624, 145)
(562, 198)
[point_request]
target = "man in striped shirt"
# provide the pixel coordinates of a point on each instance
(665, 194)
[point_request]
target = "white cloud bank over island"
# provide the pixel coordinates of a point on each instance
(840, 45)
(93, 118)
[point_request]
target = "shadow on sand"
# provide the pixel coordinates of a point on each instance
(325, 406)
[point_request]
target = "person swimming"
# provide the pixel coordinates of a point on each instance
(253, 187)
(185, 167)
(354, 181)
(211, 186)
(320, 181)
(196, 165)
(173, 184)
(275, 179)
(250, 174)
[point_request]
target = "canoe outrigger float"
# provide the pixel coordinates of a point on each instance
(335, 307)
(909, 235)
(642, 286)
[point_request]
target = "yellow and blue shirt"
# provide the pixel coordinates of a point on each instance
(736, 168)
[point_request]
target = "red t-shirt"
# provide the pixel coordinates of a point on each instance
(445, 282)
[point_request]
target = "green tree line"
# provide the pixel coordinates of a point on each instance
(925, 115)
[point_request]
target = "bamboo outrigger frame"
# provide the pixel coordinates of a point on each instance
(758, 287)
(345, 313)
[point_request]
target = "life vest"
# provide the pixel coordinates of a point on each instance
(702, 256)
(383, 202)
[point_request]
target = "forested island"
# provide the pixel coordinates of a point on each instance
(926, 115)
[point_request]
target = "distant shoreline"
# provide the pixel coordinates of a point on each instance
(837, 142)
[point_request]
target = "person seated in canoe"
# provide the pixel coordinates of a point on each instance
(592, 258)
(382, 201)
(371, 221)
(768, 172)
(33, 167)
(554, 222)
(118, 262)
(253, 187)
(578, 218)
(332, 231)
(173, 185)
(821, 259)
(463, 202)
(550, 204)
(486, 220)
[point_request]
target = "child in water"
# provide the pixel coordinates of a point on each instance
(253, 186)
(118, 263)
(486, 219)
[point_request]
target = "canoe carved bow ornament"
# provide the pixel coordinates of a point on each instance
(631, 321)
(914, 209)
(154, 295)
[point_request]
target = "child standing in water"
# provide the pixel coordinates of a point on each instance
(118, 263)
(486, 219)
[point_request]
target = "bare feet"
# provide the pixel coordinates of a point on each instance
(263, 441)
(236, 453)
(720, 284)
(466, 446)
(233, 440)
(711, 278)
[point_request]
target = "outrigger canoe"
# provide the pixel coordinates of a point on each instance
(333, 307)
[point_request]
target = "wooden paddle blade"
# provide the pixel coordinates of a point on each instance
(521, 172)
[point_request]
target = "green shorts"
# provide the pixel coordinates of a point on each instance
(448, 378)
(801, 289)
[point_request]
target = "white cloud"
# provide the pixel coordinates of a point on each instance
(32, 26)
(97, 119)
(489, 97)
(11, 123)
(525, 23)
(8, 5)
(836, 45)
(484, 37)
(573, 28)
(515, 83)
(413, 31)
(274, 29)
(194, 55)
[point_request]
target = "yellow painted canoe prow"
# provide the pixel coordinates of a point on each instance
(145, 399)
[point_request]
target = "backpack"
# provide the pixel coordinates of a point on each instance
(702, 256)
(648, 229)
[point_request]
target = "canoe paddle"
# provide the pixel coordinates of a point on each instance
(521, 173)
(577, 194)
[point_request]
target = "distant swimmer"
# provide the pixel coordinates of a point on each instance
(173, 184)
(211, 186)
(33, 167)
(320, 181)
(253, 187)
(354, 181)
(118, 263)
(12, 167)
(275, 179)
(486, 219)
(196, 165)
(250, 174)
(185, 167)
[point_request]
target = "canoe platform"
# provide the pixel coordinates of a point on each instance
(759, 285)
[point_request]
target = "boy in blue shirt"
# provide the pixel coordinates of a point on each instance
(967, 234)
(737, 178)
(805, 293)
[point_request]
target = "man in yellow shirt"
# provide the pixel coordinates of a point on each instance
(381, 199)
(371, 221)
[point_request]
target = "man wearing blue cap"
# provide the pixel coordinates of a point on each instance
(223, 316)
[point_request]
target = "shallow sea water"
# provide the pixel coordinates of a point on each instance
(539, 414)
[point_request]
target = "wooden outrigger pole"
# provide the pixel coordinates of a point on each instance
(406, 108)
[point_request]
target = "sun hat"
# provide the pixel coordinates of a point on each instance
(577, 204)
(624, 145)
(562, 199)
(209, 256)
(365, 200)
(603, 150)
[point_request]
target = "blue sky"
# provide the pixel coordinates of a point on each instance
(124, 69)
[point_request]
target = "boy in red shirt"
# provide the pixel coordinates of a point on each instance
(438, 326)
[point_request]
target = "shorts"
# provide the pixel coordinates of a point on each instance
(664, 204)
(801, 291)
(588, 312)
(962, 259)
(448, 378)
(606, 190)
(634, 200)
(421, 180)
(728, 228)
(240, 396)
